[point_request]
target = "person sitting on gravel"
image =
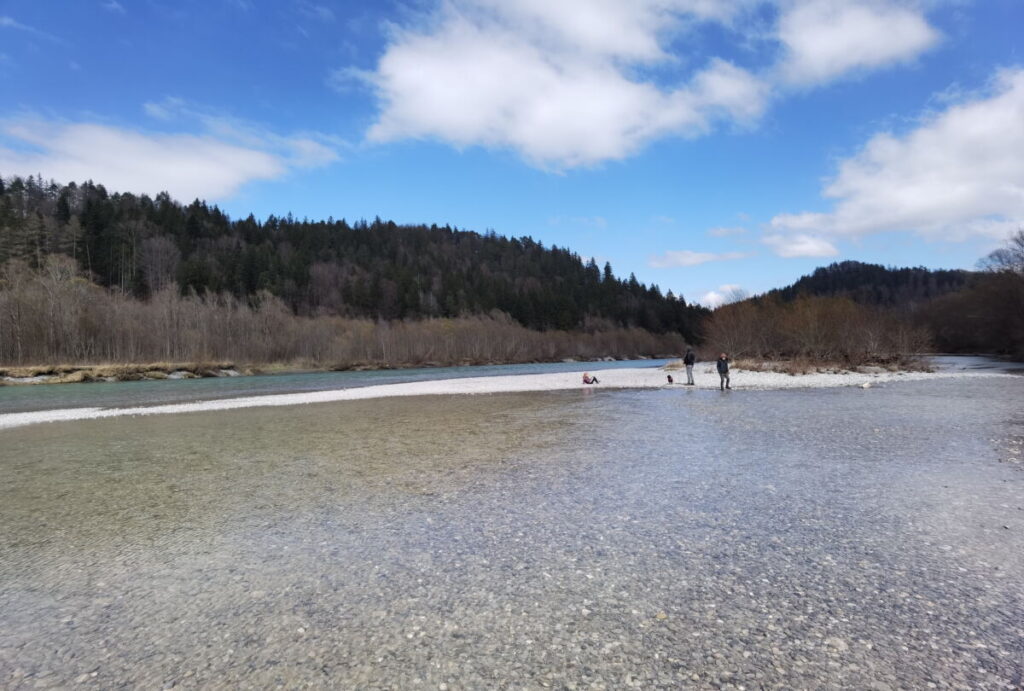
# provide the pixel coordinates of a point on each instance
(723, 372)
(587, 379)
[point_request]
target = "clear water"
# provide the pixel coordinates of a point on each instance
(19, 399)
(668, 539)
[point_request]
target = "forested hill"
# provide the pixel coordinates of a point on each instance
(874, 284)
(381, 270)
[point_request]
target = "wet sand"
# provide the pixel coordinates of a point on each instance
(660, 539)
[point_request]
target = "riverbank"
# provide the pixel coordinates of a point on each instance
(815, 538)
(155, 371)
(613, 378)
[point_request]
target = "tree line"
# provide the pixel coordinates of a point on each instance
(876, 285)
(852, 313)
(137, 246)
(90, 276)
(53, 314)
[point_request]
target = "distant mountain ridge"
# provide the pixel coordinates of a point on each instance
(877, 285)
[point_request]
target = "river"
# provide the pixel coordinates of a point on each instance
(660, 539)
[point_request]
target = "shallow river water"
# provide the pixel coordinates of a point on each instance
(831, 538)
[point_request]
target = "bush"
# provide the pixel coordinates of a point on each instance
(814, 331)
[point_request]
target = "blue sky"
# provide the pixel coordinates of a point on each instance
(701, 144)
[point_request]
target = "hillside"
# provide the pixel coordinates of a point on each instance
(378, 270)
(876, 285)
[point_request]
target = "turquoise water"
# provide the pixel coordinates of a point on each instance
(587, 538)
(20, 399)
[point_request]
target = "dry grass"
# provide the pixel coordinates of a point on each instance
(67, 374)
(797, 366)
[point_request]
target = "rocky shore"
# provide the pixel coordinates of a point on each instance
(73, 374)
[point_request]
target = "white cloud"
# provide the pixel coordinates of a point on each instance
(960, 174)
(723, 232)
(825, 39)
(800, 245)
(213, 164)
(113, 6)
(187, 166)
(674, 258)
(568, 83)
(554, 81)
(303, 150)
(729, 292)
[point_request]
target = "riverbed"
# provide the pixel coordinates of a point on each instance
(665, 538)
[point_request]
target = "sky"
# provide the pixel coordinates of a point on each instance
(712, 147)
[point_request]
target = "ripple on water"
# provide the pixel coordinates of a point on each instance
(660, 538)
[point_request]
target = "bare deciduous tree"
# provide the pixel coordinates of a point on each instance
(52, 315)
(1008, 258)
(159, 258)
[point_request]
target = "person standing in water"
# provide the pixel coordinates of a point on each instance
(723, 372)
(689, 359)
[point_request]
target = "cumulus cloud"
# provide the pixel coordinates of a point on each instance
(800, 245)
(824, 39)
(556, 82)
(729, 292)
(569, 83)
(959, 174)
(213, 164)
(674, 258)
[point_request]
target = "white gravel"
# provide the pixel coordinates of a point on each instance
(626, 378)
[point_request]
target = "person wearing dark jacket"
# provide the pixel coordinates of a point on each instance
(723, 372)
(689, 359)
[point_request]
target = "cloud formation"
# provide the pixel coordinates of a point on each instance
(675, 258)
(800, 245)
(959, 174)
(824, 39)
(187, 166)
(727, 231)
(299, 150)
(572, 83)
(213, 164)
(556, 82)
(729, 292)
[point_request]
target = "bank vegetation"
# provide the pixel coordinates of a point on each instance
(54, 314)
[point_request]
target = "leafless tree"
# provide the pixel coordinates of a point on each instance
(1008, 258)
(160, 259)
